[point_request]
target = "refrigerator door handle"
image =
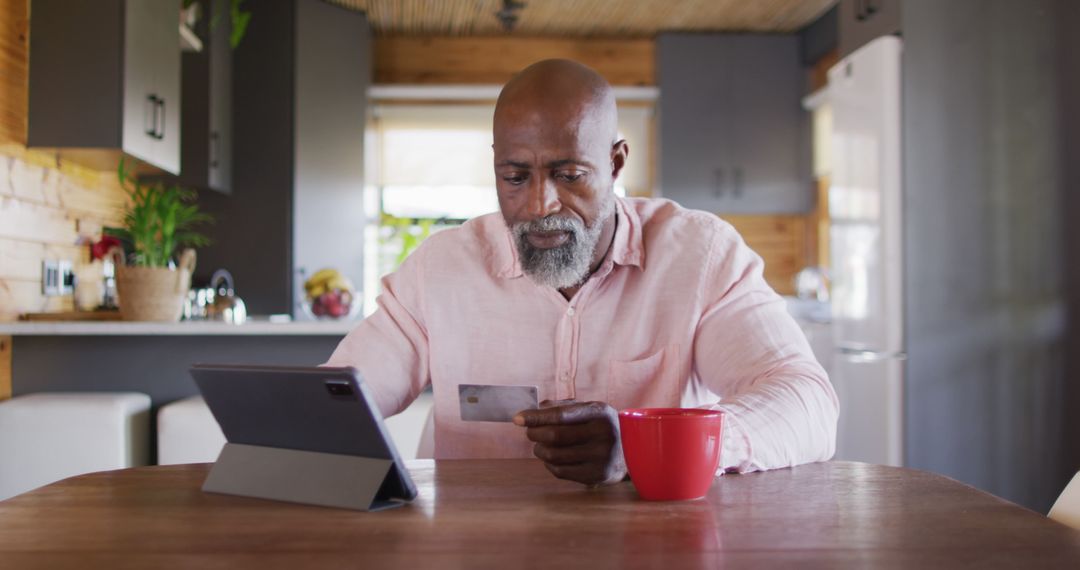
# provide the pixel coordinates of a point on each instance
(867, 355)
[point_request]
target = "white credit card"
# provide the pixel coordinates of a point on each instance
(495, 403)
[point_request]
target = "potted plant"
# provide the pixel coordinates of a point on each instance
(153, 269)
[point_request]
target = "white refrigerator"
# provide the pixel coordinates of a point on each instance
(866, 248)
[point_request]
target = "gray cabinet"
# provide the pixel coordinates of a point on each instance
(864, 20)
(105, 75)
(300, 82)
(206, 144)
(733, 135)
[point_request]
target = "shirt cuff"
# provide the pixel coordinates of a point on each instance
(735, 451)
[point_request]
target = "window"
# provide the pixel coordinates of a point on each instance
(430, 168)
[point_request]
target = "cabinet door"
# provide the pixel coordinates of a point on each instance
(167, 81)
(694, 163)
(140, 108)
(770, 131)
(733, 135)
(206, 117)
(152, 82)
(219, 146)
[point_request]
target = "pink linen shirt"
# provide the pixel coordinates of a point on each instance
(678, 314)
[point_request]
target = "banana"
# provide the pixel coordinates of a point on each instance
(320, 278)
(340, 282)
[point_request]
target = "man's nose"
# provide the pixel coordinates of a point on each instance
(543, 198)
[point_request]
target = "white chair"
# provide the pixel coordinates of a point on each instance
(1067, 508)
(47, 437)
(188, 433)
(426, 449)
(412, 429)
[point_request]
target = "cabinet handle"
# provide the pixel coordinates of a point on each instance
(215, 142)
(861, 11)
(738, 181)
(152, 113)
(718, 186)
(160, 132)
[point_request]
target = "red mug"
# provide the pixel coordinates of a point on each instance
(671, 453)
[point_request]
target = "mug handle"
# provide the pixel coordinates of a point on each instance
(185, 269)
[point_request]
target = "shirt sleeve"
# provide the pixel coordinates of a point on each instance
(781, 409)
(390, 347)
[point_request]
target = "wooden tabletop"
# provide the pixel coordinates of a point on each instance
(512, 513)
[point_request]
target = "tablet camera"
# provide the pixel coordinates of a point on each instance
(338, 388)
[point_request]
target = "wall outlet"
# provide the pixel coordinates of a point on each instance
(67, 277)
(57, 278)
(50, 277)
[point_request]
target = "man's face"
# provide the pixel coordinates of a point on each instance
(554, 175)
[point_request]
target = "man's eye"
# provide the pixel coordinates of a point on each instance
(569, 176)
(515, 179)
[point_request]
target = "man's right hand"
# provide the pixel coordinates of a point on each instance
(578, 441)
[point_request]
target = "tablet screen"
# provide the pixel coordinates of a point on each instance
(321, 409)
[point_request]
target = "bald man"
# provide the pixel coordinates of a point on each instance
(602, 303)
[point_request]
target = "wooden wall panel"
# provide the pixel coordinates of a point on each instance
(36, 177)
(14, 69)
(31, 222)
(49, 205)
(818, 226)
(18, 296)
(5, 368)
(22, 259)
(781, 243)
(494, 60)
(587, 18)
(819, 74)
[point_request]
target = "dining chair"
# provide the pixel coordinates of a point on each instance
(46, 437)
(1067, 508)
(188, 433)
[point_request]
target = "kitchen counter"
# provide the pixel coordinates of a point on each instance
(152, 358)
(182, 328)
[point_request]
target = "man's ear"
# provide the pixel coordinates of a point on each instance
(619, 153)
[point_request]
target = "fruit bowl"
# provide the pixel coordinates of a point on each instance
(329, 295)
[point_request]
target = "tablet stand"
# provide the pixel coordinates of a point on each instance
(309, 477)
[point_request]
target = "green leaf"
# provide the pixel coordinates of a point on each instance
(240, 19)
(159, 220)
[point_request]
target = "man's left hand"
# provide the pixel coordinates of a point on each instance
(578, 441)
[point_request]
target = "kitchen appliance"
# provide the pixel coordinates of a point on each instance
(866, 253)
(217, 301)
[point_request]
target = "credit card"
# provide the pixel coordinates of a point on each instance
(495, 403)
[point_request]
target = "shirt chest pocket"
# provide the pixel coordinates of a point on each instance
(650, 382)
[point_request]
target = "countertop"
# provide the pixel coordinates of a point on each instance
(182, 328)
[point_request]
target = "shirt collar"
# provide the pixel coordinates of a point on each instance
(627, 247)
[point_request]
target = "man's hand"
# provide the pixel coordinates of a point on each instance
(578, 441)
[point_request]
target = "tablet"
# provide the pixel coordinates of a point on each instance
(314, 409)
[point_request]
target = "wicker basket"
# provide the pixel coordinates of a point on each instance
(153, 293)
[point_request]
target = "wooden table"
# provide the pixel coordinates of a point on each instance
(513, 514)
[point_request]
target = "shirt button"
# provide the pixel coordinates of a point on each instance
(570, 312)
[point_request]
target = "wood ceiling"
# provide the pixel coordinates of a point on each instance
(581, 18)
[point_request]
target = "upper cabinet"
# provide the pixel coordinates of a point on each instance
(733, 135)
(864, 20)
(105, 76)
(206, 145)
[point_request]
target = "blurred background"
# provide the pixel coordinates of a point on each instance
(908, 169)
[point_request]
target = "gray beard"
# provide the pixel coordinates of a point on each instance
(564, 266)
